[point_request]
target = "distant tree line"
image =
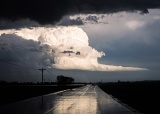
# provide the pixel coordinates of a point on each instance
(60, 80)
(25, 83)
(64, 79)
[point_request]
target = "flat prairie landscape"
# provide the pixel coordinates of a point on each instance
(142, 96)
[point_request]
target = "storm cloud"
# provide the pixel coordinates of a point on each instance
(51, 11)
(60, 48)
(126, 31)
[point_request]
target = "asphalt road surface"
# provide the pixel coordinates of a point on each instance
(89, 99)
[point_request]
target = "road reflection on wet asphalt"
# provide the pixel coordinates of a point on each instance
(89, 99)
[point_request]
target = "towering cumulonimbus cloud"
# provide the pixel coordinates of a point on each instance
(65, 47)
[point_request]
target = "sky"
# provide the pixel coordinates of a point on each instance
(90, 41)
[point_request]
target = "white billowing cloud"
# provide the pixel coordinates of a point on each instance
(64, 37)
(66, 48)
(133, 25)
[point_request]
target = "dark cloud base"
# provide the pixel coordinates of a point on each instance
(51, 11)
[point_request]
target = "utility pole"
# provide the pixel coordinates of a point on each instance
(42, 74)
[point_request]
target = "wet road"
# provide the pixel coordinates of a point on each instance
(84, 100)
